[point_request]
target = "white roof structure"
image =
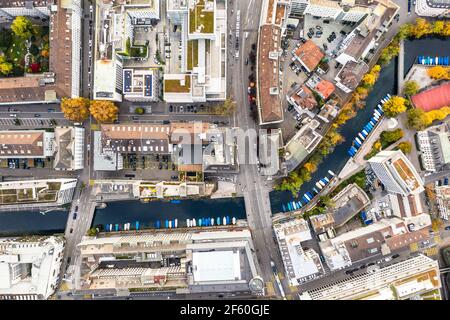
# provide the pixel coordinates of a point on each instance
(216, 266)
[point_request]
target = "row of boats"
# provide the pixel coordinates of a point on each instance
(121, 227)
(308, 196)
(432, 61)
(201, 222)
(377, 114)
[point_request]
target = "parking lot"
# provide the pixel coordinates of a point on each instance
(27, 122)
(318, 30)
(25, 163)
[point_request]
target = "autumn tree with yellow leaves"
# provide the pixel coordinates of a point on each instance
(103, 110)
(439, 73)
(394, 106)
(75, 109)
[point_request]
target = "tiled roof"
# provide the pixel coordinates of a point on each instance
(21, 143)
(309, 54)
(268, 76)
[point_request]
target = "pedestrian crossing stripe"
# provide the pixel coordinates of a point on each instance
(270, 289)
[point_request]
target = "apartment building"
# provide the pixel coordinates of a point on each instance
(443, 201)
(202, 76)
(434, 145)
(397, 173)
(184, 262)
(411, 279)
(301, 264)
(63, 77)
(29, 267)
(432, 8)
(36, 193)
(117, 45)
(69, 148)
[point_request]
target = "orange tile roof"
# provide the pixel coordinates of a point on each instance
(309, 54)
(325, 88)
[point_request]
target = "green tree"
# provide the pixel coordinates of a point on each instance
(415, 119)
(410, 87)
(405, 147)
(326, 201)
(389, 137)
(139, 110)
(227, 108)
(92, 232)
(22, 27)
(394, 106)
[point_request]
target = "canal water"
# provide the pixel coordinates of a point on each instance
(385, 84)
(148, 213)
(28, 222)
(32, 222)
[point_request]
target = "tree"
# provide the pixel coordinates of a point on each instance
(410, 87)
(103, 110)
(22, 27)
(34, 50)
(92, 232)
(436, 224)
(438, 73)
(389, 137)
(394, 106)
(139, 110)
(75, 109)
(405, 147)
(415, 119)
(227, 108)
(369, 80)
(327, 201)
(438, 27)
(404, 31)
(421, 28)
(5, 66)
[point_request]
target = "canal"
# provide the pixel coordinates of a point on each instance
(28, 222)
(148, 213)
(385, 84)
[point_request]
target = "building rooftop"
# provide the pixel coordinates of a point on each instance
(351, 74)
(323, 87)
(223, 265)
(269, 101)
(304, 98)
(432, 99)
(26, 143)
(309, 55)
(201, 16)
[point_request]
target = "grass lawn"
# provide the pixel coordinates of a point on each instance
(200, 19)
(16, 52)
(175, 86)
(192, 54)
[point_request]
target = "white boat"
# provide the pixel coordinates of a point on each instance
(318, 185)
(331, 172)
(379, 106)
(361, 136)
(176, 223)
(322, 183)
(327, 180)
(224, 221)
(212, 221)
(389, 95)
(110, 227)
(170, 224)
(294, 205)
(188, 223)
(194, 223)
(233, 220)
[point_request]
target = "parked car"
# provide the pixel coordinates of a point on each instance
(395, 256)
(37, 115)
(74, 215)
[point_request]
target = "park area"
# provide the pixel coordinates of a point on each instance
(24, 48)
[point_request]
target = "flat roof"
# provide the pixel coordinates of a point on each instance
(216, 266)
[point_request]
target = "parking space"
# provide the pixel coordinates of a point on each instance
(149, 162)
(25, 163)
(326, 33)
(27, 122)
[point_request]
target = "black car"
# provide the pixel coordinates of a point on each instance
(160, 166)
(74, 215)
(290, 107)
(170, 108)
(76, 209)
(371, 264)
(349, 272)
(395, 256)
(447, 228)
(135, 118)
(362, 267)
(37, 115)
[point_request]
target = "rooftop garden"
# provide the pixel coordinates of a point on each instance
(405, 172)
(26, 195)
(201, 20)
(192, 54)
(24, 48)
(175, 86)
(133, 50)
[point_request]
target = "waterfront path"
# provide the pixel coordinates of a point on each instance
(401, 68)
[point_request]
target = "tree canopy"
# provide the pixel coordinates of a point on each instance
(410, 87)
(438, 72)
(103, 110)
(394, 106)
(75, 109)
(405, 147)
(22, 27)
(5, 66)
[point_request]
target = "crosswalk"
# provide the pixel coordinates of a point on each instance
(431, 251)
(27, 122)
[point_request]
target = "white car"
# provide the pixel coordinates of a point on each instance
(91, 8)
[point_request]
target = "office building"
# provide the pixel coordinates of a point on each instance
(434, 146)
(443, 200)
(29, 267)
(432, 8)
(413, 279)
